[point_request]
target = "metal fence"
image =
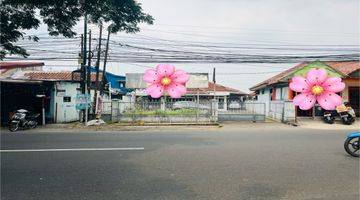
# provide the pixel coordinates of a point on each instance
(159, 112)
(182, 111)
(283, 111)
(243, 111)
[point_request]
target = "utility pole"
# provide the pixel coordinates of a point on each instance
(214, 81)
(80, 61)
(105, 60)
(83, 68)
(88, 71)
(97, 65)
(88, 77)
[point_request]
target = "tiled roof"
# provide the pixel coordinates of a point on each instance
(345, 67)
(19, 64)
(56, 76)
(218, 88)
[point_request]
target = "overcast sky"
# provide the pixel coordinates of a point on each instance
(272, 22)
(283, 21)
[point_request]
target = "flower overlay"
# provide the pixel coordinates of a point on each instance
(317, 86)
(165, 79)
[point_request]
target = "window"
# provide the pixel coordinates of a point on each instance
(67, 99)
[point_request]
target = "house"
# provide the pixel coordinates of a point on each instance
(224, 95)
(55, 92)
(275, 90)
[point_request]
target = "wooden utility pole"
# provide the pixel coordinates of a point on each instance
(105, 60)
(97, 65)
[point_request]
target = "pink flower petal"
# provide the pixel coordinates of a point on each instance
(298, 84)
(176, 90)
(329, 100)
(305, 101)
(151, 76)
(165, 69)
(155, 90)
(180, 76)
(316, 76)
(333, 84)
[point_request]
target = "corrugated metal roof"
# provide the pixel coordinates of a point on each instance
(19, 64)
(55, 76)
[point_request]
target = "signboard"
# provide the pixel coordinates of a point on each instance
(196, 80)
(83, 101)
(60, 93)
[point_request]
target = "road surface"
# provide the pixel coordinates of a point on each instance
(246, 163)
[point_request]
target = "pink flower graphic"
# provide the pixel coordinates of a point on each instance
(165, 79)
(317, 86)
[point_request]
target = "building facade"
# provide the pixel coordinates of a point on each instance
(275, 90)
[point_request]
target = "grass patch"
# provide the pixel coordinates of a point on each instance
(159, 112)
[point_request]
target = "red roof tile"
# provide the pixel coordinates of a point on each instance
(19, 64)
(218, 88)
(345, 67)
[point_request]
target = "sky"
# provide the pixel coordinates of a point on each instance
(184, 25)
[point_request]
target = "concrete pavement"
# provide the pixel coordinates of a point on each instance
(253, 162)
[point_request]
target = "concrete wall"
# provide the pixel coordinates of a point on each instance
(166, 119)
(264, 98)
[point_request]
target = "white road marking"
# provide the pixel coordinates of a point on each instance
(78, 149)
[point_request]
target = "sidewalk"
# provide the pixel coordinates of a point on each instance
(226, 126)
(79, 127)
(321, 125)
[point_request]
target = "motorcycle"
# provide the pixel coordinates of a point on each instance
(329, 117)
(352, 144)
(346, 113)
(22, 119)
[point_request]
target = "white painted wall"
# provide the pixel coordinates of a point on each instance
(66, 111)
(285, 92)
(278, 93)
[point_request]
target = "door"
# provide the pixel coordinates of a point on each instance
(354, 99)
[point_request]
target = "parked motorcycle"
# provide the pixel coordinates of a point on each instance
(329, 117)
(352, 144)
(346, 113)
(23, 119)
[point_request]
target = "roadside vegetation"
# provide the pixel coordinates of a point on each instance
(159, 112)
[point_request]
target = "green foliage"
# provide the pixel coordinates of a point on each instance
(61, 16)
(159, 112)
(316, 64)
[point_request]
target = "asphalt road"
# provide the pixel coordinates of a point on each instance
(248, 163)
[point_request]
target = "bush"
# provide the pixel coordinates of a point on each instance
(159, 112)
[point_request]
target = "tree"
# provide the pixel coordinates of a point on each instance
(61, 16)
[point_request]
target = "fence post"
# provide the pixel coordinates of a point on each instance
(264, 111)
(283, 112)
(253, 112)
(197, 106)
(111, 111)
